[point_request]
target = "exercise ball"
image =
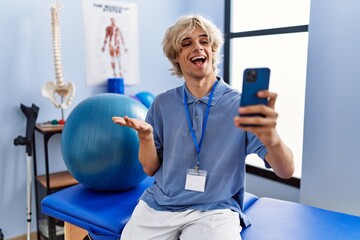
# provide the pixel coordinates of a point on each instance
(145, 98)
(99, 154)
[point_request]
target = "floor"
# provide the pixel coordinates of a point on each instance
(33, 236)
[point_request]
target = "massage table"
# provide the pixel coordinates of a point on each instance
(104, 214)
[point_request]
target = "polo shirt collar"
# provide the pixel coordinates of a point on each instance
(219, 91)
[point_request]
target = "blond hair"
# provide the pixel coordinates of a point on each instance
(183, 27)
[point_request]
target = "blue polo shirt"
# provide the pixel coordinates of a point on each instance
(222, 155)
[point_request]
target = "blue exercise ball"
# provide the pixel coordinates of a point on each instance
(98, 153)
(145, 98)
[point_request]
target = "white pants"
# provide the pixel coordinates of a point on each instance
(149, 224)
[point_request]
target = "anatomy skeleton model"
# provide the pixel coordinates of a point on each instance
(66, 92)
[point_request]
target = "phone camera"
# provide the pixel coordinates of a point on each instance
(251, 75)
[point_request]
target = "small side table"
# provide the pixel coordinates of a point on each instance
(48, 227)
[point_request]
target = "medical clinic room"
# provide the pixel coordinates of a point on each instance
(180, 120)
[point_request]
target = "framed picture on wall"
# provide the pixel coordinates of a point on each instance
(111, 41)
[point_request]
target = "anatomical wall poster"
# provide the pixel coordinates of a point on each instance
(111, 41)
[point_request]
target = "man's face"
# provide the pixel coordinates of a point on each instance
(196, 56)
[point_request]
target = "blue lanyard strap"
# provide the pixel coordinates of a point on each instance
(198, 145)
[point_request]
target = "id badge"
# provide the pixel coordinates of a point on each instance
(195, 180)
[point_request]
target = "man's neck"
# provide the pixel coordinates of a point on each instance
(200, 87)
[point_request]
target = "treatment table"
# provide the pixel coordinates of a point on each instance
(104, 214)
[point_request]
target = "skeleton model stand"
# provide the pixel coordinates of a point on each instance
(66, 92)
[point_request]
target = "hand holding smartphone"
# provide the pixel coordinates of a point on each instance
(254, 80)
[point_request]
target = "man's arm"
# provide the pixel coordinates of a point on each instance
(148, 156)
(279, 156)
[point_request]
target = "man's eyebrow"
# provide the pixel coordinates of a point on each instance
(187, 38)
(201, 35)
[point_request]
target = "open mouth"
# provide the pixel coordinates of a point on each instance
(198, 60)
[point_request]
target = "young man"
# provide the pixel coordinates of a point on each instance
(195, 147)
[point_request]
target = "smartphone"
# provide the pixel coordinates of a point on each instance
(254, 80)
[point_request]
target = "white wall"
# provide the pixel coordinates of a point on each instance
(331, 165)
(26, 63)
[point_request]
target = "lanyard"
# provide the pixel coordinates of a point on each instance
(196, 143)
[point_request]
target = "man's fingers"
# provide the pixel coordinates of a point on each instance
(271, 96)
(118, 120)
(133, 123)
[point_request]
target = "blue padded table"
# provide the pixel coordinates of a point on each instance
(282, 220)
(102, 214)
(249, 199)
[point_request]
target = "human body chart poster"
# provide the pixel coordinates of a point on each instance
(111, 41)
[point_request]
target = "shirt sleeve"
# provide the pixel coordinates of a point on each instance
(153, 118)
(254, 145)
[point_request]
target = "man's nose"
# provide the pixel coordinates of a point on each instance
(198, 47)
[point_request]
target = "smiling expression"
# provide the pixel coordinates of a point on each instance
(196, 56)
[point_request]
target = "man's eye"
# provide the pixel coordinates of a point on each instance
(205, 42)
(184, 44)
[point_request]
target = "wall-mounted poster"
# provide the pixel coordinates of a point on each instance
(111, 41)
